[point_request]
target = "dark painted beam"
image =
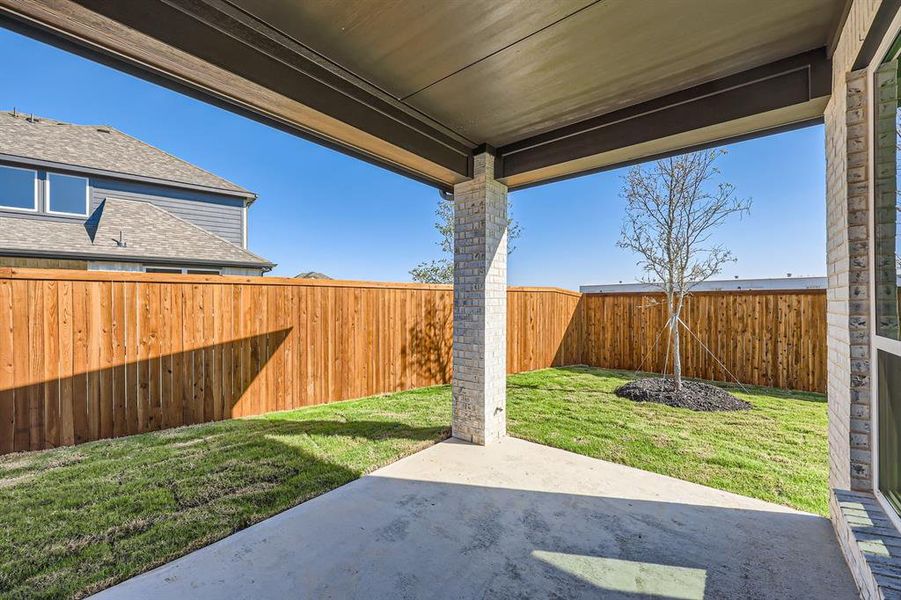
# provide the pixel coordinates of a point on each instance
(716, 144)
(885, 14)
(781, 84)
(198, 29)
(399, 138)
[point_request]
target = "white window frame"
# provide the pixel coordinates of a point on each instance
(35, 206)
(47, 192)
(877, 342)
(244, 226)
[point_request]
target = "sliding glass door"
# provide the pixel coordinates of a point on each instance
(886, 269)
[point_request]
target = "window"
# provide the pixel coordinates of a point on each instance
(67, 194)
(887, 137)
(889, 368)
(181, 270)
(202, 271)
(18, 188)
(886, 248)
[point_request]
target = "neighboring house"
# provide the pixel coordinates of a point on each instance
(311, 275)
(91, 197)
(714, 285)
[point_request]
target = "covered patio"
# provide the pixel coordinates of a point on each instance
(514, 520)
(478, 99)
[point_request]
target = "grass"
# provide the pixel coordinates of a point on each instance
(777, 451)
(76, 520)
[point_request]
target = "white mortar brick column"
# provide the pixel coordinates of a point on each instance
(480, 306)
(859, 521)
(847, 259)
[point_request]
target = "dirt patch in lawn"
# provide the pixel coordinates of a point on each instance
(694, 395)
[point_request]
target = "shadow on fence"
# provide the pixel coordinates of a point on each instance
(84, 359)
(571, 350)
(429, 350)
(209, 383)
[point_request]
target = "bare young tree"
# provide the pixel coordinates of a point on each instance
(673, 207)
(442, 269)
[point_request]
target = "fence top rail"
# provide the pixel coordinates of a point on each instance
(525, 288)
(127, 276)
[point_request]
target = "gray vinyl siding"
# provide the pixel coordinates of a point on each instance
(133, 267)
(221, 215)
(138, 267)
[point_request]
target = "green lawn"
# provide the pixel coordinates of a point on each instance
(776, 451)
(76, 520)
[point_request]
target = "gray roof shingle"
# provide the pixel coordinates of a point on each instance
(100, 147)
(149, 232)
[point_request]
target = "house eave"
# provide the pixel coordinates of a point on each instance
(248, 197)
(167, 260)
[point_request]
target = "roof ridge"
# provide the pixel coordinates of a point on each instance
(218, 182)
(172, 156)
(38, 118)
(188, 223)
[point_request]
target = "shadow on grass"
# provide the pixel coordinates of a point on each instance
(115, 508)
(366, 429)
(558, 377)
(632, 375)
(550, 388)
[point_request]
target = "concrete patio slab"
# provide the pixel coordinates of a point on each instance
(514, 520)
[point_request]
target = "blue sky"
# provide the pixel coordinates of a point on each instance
(320, 210)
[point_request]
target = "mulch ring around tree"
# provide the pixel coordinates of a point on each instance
(694, 395)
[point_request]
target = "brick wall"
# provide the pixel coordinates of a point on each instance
(480, 306)
(848, 159)
(848, 306)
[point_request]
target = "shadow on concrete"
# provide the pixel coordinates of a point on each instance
(200, 481)
(389, 535)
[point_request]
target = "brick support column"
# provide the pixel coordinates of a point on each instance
(848, 304)
(480, 306)
(861, 526)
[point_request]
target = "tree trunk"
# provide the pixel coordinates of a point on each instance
(677, 357)
(677, 360)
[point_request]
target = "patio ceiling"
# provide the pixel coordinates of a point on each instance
(558, 88)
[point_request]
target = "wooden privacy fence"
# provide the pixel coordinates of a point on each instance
(774, 339)
(89, 355)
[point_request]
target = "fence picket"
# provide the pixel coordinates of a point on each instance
(88, 355)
